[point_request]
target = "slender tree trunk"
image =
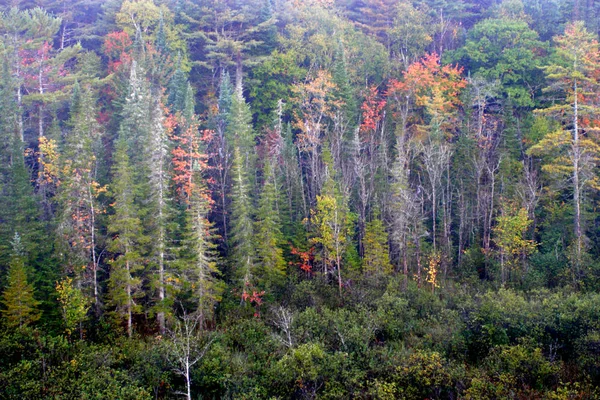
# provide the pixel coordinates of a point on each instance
(576, 188)
(93, 247)
(129, 301)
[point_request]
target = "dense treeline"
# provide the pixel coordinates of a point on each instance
(299, 199)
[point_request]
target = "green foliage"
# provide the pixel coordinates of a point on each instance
(125, 225)
(242, 229)
(272, 81)
(73, 303)
(268, 234)
(504, 49)
(376, 259)
(20, 306)
(360, 244)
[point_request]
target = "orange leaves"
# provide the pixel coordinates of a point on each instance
(188, 158)
(306, 259)
(315, 104)
(372, 109)
(255, 297)
(432, 86)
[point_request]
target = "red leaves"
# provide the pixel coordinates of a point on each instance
(117, 46)
(254, 298)
(372, 109)
(306, 259)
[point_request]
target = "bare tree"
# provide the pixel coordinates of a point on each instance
(283, 319)
(187, 346)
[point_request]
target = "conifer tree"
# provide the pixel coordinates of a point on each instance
(18, 300)
(198, 251)
(177, 88)
(242, 253)
(574, 155)
(220, 147)
(239, 129)
(376, 260)
(135, 124)
(158, 181)
(127, 237)
(202, 272)
(18, 204)
(268, 231)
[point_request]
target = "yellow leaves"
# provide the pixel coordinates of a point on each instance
(48, 159)
(97, 189)
(510, 235)
(550, 142)
(433, 269)
(315, 104)
(140, 14)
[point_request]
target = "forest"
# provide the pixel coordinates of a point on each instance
(299, 199)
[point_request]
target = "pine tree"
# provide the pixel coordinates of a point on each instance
(127, 237)
(268, 231)
(18, 297)
(574, 155)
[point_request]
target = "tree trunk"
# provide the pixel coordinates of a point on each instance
(576, 193)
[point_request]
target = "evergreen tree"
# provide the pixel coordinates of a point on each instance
(268, 231)
(127, 238)
(243, 257)
(239, 129)
(574, 154)
(376, 260)
(220, 146)
(19, 302)
(202, 272)
(177, 88)
(160, 205)
(136, 120)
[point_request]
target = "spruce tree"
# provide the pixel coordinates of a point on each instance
(239, 129)
(17, 298)
(268, 231)
(127, 238)
(177, 88)
(242, 253)
(376, 260)
(202, 271)
(135, 123)
(220, 146)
